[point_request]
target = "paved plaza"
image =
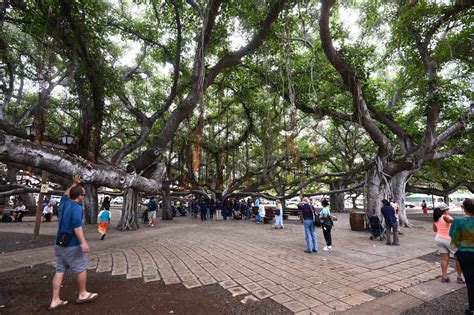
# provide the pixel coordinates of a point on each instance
(255, 262)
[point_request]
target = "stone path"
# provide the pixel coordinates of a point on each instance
(255, 262)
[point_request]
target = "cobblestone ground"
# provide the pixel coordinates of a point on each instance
(255, 262)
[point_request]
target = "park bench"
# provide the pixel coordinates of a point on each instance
(270, 213)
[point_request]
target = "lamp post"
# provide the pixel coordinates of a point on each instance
(432, 197)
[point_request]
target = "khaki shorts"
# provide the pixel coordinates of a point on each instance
(70, 258)
(151, 215)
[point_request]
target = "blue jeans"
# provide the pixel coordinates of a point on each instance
(310, 234)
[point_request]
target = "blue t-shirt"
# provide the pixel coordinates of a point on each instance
(389, 214)
(70, 217)
(104, 215)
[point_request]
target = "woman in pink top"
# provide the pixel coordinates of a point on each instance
(441, 224)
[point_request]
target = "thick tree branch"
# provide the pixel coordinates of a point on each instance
(199, 82)
(235, 57)
(34, 155)
(350, 80)
(176, 66)
(450, 131)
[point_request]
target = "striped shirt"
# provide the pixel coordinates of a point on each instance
(462, 234)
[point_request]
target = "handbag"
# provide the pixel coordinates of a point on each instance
(328, 222)
(63, 238)
(317, 220)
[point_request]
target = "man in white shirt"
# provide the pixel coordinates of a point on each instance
(19, 212)
(48, 212)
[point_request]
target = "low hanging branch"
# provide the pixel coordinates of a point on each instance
(26, 190)
(27, 153)
(275, 197)
(439, 192)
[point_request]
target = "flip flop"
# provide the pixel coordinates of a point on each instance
(91, 297)
(51, 308)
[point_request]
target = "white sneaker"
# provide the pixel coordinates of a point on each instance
(327, 248)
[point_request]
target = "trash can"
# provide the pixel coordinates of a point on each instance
(357, 220)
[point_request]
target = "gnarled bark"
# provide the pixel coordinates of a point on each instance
(336, 200)
(90, 203)
(29, 154)
(374, 192)
(399, 182)
(167, 214)
(129, 219)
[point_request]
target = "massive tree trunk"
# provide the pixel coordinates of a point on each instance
(354, 202)
(129, 219)
(90, 204)
(374, 191)
(399, 182)
(337, 199)
(166, 204)
(28, 200)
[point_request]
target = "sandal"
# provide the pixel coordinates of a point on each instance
(52, 308)
(460, 280)
(91, 297)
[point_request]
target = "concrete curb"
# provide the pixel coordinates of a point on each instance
(400, 301)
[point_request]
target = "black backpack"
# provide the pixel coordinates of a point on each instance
(6, 218)
(152, 205)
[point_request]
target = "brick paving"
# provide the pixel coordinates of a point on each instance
(255, 262)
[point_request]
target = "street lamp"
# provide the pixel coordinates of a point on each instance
(30, 130)
(67, 139)
(432, 197)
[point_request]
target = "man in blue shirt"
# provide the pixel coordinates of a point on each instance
(307, 211)
(72, 255)
(391, 223)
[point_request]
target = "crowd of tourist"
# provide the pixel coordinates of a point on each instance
(453, 236)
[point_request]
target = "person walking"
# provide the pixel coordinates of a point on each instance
(278, 215)
(424, 207)
(261, 213)
(462, 237)
(441, 224)
(202, 208)
(104, 220)
(218, 209)
(152, 207)
(71, 245)
(308, 223)
(212, 209)
(106, 203)
(391, 224)
(326, 224)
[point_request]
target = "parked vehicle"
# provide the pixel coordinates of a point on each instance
(117, 200)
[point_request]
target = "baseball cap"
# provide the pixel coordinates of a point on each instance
(442, 206)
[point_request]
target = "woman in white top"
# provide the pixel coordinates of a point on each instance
(48, 212)
(261, 213)
(278, 216)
